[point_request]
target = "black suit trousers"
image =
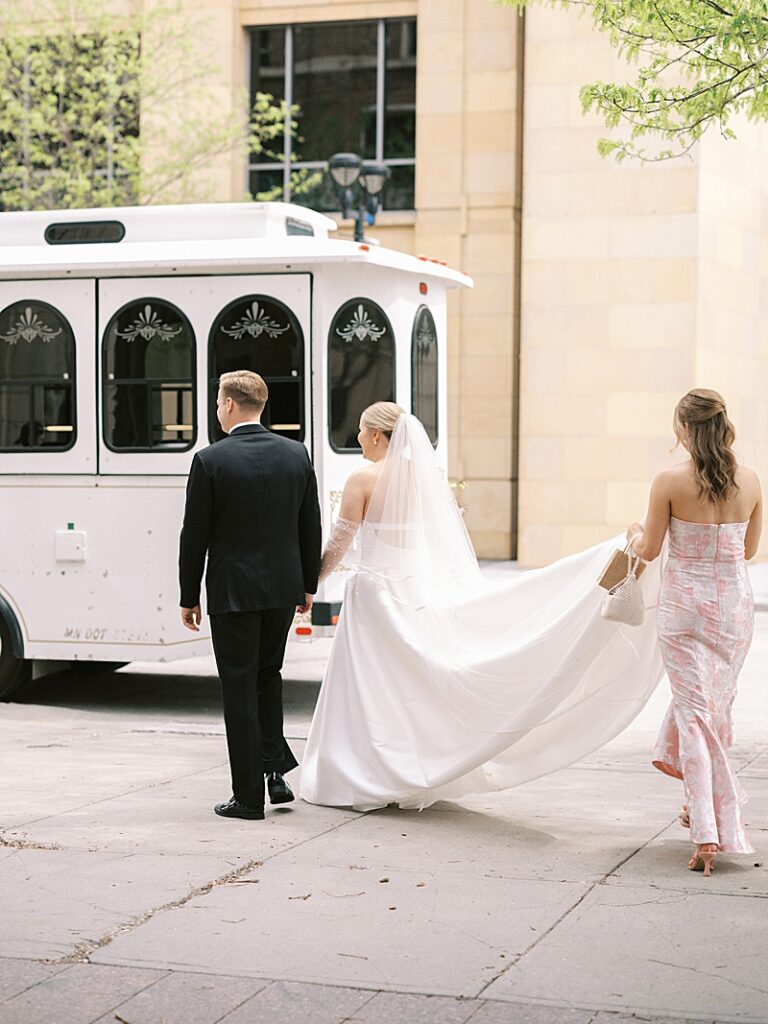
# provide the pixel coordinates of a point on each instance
(249, 649)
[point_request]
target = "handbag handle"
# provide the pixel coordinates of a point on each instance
(633, 559)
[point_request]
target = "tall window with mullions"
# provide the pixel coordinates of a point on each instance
(37, 378)
(354, 84)
(149, 378)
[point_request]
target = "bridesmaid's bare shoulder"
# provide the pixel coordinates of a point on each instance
(674, 478)
(748, 482)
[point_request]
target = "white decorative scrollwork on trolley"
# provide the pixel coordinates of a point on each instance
(335, 498)
(255, 322)
(149, 325)
(28, 327)
(360, 328)
(425, 333)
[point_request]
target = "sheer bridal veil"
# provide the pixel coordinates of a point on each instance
(413, 526)
(521, 676)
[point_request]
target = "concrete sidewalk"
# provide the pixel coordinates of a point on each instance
(565, 901)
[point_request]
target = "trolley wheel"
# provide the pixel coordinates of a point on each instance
(14, 672)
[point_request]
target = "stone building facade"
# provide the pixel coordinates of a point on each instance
(602, 291)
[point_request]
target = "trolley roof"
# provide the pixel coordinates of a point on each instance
(234, 237)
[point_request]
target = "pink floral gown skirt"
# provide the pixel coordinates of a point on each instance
(705, 622)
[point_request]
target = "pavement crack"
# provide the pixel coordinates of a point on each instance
(359, 815)
(755, 757)
(548, 931)
(24, 844)
(82, 952)
(708, 974)
(118, 796)
(676, 896)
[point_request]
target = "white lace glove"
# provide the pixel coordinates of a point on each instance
(343, 533)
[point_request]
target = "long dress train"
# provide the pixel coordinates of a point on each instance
(705, 623)
(441, 683)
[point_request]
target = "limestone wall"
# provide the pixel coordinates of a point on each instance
(732, 326)
(638, 282)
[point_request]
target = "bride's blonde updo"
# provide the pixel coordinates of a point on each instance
(709, 440)
(382, 416)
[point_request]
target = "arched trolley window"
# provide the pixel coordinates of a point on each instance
(260, 333)
(37, 378)
(424, 371)
(149, 378)
(361, 362)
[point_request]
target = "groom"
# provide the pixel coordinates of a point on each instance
(252, 506)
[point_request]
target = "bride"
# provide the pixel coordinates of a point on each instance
(439, 682)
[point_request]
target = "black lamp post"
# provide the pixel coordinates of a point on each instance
(357, 185)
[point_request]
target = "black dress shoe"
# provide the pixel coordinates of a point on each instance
(234, 809)
(279, 790)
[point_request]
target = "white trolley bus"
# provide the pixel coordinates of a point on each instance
(114, 327)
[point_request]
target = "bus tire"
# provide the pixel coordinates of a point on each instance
(15, 670)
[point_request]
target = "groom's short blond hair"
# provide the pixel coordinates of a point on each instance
(246, 389)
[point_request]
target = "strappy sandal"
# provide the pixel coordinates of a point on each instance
(685, 817)
(703, 858)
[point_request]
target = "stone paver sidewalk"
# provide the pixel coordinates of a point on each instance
(32, 993)
(565, 901)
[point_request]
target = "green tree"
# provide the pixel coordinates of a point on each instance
(103, 109)
(696, 64)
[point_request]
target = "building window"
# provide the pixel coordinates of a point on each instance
(149, 378)
(361, 361)
(354, 83)
(424, 371)
(259, 333)
(37, 378)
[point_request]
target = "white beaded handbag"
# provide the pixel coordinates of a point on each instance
(624, 602)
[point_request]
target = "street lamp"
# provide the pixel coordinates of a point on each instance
(357, 185)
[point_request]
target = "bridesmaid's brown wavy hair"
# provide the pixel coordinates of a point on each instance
(709, 440)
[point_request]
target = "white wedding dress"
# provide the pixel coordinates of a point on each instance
(441, 683)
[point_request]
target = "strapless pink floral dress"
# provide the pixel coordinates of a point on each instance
(705, 622)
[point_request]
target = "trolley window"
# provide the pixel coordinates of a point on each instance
(260, 333)
(424, 371)
(149, 378)
(361, 360)
(37, 378)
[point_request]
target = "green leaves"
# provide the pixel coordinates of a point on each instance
(98, 109)
(695, 64)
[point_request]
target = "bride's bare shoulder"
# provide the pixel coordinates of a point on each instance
(363, 477)
(357, 492)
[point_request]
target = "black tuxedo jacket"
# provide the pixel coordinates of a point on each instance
(252, 506)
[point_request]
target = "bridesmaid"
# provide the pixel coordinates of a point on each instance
(712, 508)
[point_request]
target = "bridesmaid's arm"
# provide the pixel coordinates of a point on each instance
(752, 537)
(647, 541)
